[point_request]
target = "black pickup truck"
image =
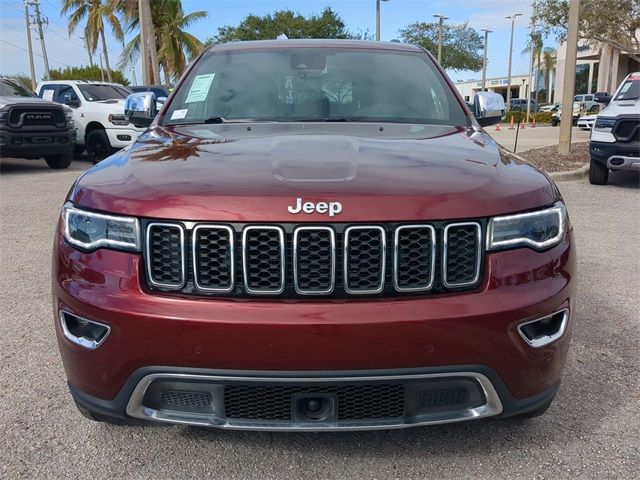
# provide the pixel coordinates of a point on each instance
(34, 128)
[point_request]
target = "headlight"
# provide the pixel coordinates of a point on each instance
(90, 230)
(539, 230)
(68, 115)
(118, 119)
(604, 125)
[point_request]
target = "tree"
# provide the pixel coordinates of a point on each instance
(535, 43)
(549, 61)
(175, 46)
(294, 25)
(87, 73)
(461, 44)
(96, 12)
(613, 22)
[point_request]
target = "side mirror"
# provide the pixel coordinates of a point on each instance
(72, 103)
(140, 108)
(488, 108)
(602, 97)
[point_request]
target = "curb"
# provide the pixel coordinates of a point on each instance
(576, 174)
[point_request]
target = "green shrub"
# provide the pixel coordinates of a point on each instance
(543, 117)
(539, 117)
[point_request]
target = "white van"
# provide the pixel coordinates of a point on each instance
(615, 137)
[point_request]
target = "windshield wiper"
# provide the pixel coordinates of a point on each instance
(319, 119)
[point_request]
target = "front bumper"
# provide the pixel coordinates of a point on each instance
(616, 155)
(36, 144)
(473, 332)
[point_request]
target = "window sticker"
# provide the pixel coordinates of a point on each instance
(200, 88)
(47, 95)
(178, 114)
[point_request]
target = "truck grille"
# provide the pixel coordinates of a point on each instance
(294, 260)
(627, 130)
(36, 116)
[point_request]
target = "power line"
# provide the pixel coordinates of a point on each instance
(35, 53)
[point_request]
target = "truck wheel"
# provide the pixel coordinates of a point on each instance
(59, 161)
(98, 146)
(598, 173)
(78, 149)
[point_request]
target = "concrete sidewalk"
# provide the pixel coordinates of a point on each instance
(529, 138)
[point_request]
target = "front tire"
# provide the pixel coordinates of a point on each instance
(98, 146)
(598, 173)
(59, 161)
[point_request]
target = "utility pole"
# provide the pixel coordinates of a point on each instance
(569, 80)
(533, 33)
(101, 69)
(378, 19)
(36, 5)
(31, 66)
(513, 22)
(441, 20)
(484, 60)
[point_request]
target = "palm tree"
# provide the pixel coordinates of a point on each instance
(549, 61)
(174, 45)
(536, 43)
(95, 12)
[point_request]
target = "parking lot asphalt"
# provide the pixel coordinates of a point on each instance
(591, 431)
(528, 138)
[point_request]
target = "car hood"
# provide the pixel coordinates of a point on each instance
(111, 106)
(254, 172)
(11, 100)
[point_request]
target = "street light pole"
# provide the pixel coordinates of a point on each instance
(484, 60)
(378, 19)
(513, 21)
(569, 80)
(441, 18)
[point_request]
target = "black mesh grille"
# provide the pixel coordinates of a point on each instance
(36, 116)
(415, 257)
(315, 260)
(354, 402)
(213, 257)
(177, 398)
(462, 249)
(364, 259)
(444, 397)
(165, 255)
(264, 259)
(627, 130)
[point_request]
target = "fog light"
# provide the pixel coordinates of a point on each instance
(86, 333)
(124, 138)
(543, 331)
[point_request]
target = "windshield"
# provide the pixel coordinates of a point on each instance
(315, 84)
(630, 90)
(12, 88)
(96, 92)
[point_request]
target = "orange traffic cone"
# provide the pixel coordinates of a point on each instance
(497, 127)
(511, 127)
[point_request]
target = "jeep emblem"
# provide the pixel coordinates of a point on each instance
(333, 208)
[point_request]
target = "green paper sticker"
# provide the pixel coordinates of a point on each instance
(200, 88)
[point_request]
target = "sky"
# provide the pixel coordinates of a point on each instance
(358, 15)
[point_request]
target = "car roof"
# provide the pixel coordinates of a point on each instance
(84, 82)
(314, 43)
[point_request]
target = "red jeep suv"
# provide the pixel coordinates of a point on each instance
(313, 235)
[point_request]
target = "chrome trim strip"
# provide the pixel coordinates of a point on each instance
(383, 235)
(280, 231)
(295, 260)
(136, 409)
(183, 260)
(81, 341)
(194, 245)
(547, 339)
(396, 254)
(445, 246)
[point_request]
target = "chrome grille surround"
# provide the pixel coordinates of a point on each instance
(194, 253)
(445, 254)
(148, 256)
(245, 259)
(296, 282)
(383, 260)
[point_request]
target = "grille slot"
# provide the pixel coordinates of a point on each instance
(443, 398)
(263, 259)
(462, 254)
(314, 260)
(414, 258)
(364, 259)
(275, 402)
(213, 258)
(165, 255)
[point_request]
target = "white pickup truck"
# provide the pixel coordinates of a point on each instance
(98, 113)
